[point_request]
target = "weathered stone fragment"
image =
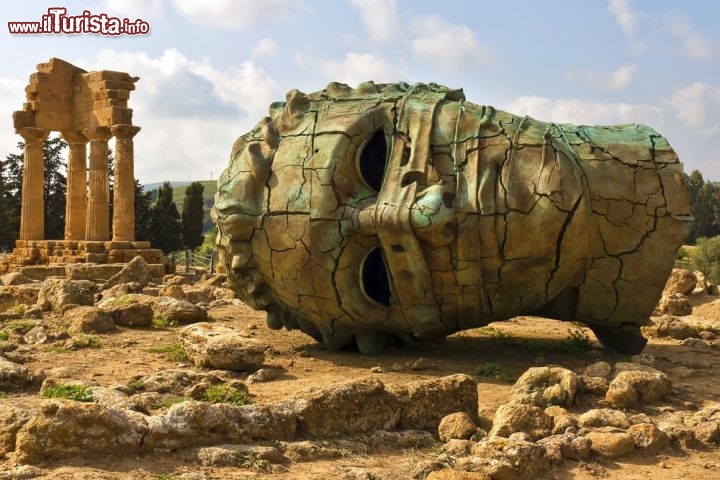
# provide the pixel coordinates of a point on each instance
(680, 281)
(88, 320)
(628, 389)
(456, 426)
(56, 293)
(210, 345)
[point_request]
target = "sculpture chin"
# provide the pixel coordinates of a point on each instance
(390, 211)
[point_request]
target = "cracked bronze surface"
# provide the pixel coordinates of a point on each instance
(396, 211)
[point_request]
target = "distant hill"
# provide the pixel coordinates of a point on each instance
(209, 189)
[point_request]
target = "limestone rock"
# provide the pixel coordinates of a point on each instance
(610, 442)
(673, 327)
(515, 417)
(546, 385)
(137, 270)
(131, 314)
(26, 294)
(56, 293)
(405, 439)
(680, 281)
(64, 429)
(191, 424)
(631, 388)
(14, 278)
(216, 346)
(173, 290)
(309, 450)
(633, 367)
(648, 436)
(457, 448)
(11, 421)
(457, 425)
(562, 419)
(175, 381)
(675, 304)
(178, 311)
(565, 445)
(603, 417)
(36, 335)
(238, 455)
(424, 403)
(323, 411)
(598, 369)
(701, 284)
(264, 375)
(450, 474)
(88, 320)
(503, 459)
(593, 385)
(13, 376)
(707, 432)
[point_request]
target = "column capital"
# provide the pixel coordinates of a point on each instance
(72, 137)
(124, 131)
(32, 133)
(98, 133)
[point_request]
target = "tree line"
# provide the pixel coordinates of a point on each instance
(157, 221)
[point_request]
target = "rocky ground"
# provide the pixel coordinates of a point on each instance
(175, 378)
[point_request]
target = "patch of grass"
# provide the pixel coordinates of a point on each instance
(20, 308)
(255, 463)
(169, 402)
(124, 300)
(71, 391)
(225, 394)
(578, 341)
(3, 394)
(137, 385)
(4, 335)
(162, 321)
(165, 476)
(494, 370)
(20, 326)
(85, 341)
(172, 351)
(58, 349)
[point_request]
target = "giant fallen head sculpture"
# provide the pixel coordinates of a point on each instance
(405, 212)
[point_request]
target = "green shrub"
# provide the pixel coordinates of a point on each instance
(225, 394)
(71, 391)
(4, 335)
(20, 326)
(172, 351)
(706, 258)
(85, 341)
(163, 322)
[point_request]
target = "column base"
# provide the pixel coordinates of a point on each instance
(55, 254)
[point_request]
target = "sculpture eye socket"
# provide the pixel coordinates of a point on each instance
(374, 277)
(373, 161)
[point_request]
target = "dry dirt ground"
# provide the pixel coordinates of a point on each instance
(513, 345)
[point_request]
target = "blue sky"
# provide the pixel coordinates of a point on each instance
(210, 68)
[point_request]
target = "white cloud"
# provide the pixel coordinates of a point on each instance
(380, 18)
(582, 112)
(447, 44)
(12, 97)
(692, 43)
(698, 108)
(612, 81)
(190, 111)
(234, 14)
(628, 19)
(356, 68)
(265, 47)
(133, 8)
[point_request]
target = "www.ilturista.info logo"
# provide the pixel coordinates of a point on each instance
(57, 21)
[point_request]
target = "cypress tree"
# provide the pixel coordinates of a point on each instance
(165, 227)
(192, 216)
(143, 212)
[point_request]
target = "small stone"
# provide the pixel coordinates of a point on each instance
(264, 375)
(648, 437)
(631, 388)
(598, 369)
(603, 417)
(610, 443)
(456, 426)
(707, 432)
(88, 320)
(511, 417)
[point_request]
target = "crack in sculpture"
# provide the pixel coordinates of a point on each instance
(405, 212)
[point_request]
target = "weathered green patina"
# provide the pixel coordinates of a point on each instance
(396, 211)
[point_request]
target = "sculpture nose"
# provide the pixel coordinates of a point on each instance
(431, 216)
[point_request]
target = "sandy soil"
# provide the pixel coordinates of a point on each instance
(514, 345)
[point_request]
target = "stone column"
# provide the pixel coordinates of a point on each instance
(32, 204)
(97, 227)
(76, 201)
(123, 221)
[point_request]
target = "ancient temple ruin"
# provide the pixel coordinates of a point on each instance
(85, 107)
